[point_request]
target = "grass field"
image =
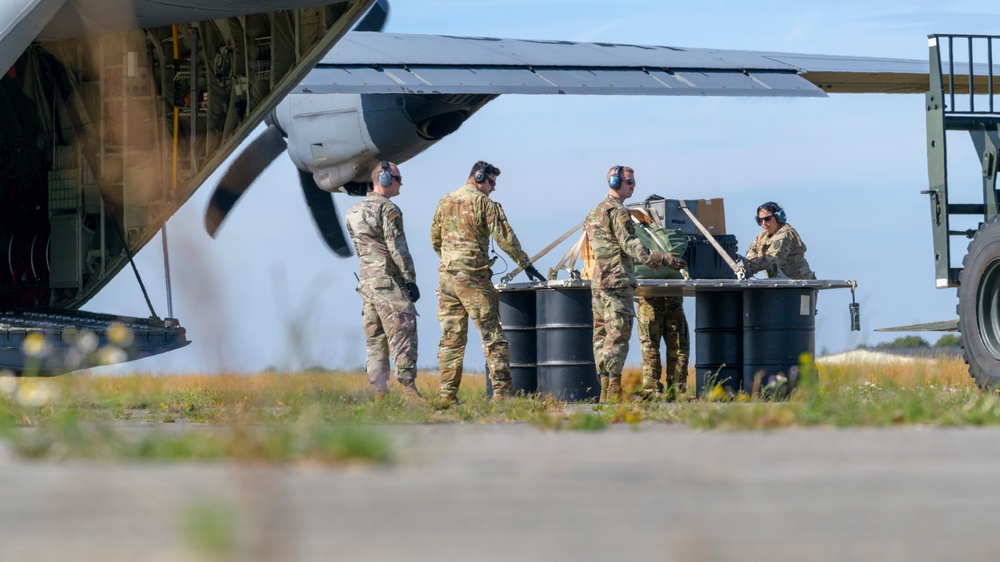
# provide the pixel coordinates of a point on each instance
(332, 417)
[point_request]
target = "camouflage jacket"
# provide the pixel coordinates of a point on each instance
(460, 232)
(376, 227)
(780, 255)
(612, 238)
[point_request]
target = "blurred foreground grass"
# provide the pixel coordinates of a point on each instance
(332, 417)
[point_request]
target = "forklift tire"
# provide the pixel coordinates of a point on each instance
(979, 305)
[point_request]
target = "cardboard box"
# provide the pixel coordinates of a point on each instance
(712, 215)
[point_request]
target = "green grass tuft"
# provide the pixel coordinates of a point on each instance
(333, 418)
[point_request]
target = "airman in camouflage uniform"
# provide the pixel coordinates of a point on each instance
(612, 238)
(663, 317)
(460, 234)
(778, 250)
(387, 283)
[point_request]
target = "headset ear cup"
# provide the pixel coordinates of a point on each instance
(480, 175)
(385, 176)
(780, 215)
(615, 181)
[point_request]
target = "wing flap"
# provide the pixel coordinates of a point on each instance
(415, 79)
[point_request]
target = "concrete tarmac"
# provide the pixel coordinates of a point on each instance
(515, 492)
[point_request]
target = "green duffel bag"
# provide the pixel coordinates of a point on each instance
(658, 239)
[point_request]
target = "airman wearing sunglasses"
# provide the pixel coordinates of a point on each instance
(778, 250)
(387, 284)
(616, 248)
(463, 223)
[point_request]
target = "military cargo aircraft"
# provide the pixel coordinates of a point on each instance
(117, 128)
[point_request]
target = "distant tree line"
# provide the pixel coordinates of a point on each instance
(911, 342)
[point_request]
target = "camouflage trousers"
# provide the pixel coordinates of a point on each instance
(460, 297)
(613, 313)
(390, 327)
(663, 318)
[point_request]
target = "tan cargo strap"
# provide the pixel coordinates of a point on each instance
(570, 257)
(711, 239)
(506, 278)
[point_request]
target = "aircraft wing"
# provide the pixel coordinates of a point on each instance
(366, 62)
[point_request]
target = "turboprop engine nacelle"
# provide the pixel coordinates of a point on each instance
(340, 137)
(334, 141)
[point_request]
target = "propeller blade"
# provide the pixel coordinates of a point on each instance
(376, 17)
(324, 212)
(243, 171)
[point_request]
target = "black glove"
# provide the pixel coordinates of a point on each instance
(414, 291)
(533, 273)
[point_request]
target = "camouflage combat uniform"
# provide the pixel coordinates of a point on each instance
(612, 239)
(780, 255)
(663, 317)
(460, 234)
(390, 319)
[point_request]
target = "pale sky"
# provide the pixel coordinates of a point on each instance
(847, 169)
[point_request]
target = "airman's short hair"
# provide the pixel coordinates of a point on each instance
(491, 170)
(624, 169)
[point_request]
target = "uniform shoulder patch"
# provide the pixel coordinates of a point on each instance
(624, 220)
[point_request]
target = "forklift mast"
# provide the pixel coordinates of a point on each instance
(961, 98)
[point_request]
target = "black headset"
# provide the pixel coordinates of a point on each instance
(771, 206)
(385, 176)
(615, 181)
(481, 173)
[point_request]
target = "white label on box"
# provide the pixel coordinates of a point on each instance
(804, 307)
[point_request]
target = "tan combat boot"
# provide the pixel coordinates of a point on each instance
(410, 392)
(615, 389)
(446, 401)
(651, 388)
(604, 389)
(501, 391)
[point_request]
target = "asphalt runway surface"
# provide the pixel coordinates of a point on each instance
(515, 492)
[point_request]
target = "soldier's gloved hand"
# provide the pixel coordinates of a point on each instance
(740, 271)
(414, 292)
(674, 261)
(741, 267)
(533, 273)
